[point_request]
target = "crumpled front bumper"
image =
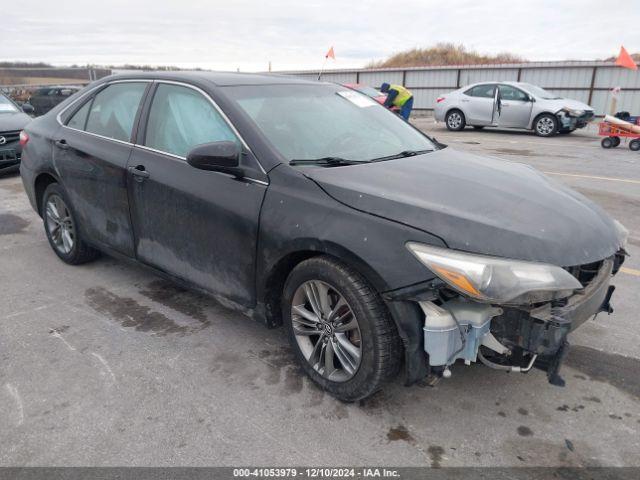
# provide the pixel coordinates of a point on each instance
(571, 122)
(525, 334)
(543, 330)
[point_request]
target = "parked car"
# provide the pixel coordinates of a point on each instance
(371, 92)
(44, 99)
(12, 121)
(511, 105)
(310, 205)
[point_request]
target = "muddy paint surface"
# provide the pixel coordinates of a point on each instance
(10, 223)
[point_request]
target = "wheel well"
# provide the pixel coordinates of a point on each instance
(275, 283)
(42, 182)
(455, 109)
(551, 114)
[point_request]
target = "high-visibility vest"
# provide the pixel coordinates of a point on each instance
(403, 95)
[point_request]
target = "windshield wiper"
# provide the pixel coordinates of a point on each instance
(403, 154)
(325, 161)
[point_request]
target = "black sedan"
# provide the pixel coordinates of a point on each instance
(310, 205)
(12, 121)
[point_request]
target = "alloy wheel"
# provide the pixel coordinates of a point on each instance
(59, 224)
(454, 120)
(545, 126)
(326, 330)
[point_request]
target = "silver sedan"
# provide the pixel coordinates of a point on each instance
(511, 105)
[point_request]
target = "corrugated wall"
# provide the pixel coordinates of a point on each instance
(589, 82)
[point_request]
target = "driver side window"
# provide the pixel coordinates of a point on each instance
(181, 118)
(508, 92)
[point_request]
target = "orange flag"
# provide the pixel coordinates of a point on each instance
(330, 54)
(625, 60)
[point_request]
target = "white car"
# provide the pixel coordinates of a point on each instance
(511, 105)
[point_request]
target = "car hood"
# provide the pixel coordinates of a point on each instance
(13, 121)
(478, 204)
(560, 103)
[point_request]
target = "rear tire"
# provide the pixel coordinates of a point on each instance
(546, 125)
(61, 228)
(372, 343)
(607, 142)
(616, 141)
(455, 120)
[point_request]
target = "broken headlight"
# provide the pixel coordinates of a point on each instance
(573, 112)
(496, 280)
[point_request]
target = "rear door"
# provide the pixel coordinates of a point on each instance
(479, 104)
(515, 107)
(91, 152)
(197, 225)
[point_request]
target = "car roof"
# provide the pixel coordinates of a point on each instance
(221, 79)
(497, 82)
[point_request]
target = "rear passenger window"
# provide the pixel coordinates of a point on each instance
(485, 91)
(79, 119)
(181, 118)
(114, 109)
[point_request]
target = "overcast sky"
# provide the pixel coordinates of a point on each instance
(295, 34)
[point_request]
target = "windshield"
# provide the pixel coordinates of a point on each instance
(306, 122)
(6, 105)
(540, 92)
(369, 91)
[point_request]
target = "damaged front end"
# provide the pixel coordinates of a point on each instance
(571, 119)
(509, 315)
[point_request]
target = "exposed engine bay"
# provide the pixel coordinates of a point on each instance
(513, 337)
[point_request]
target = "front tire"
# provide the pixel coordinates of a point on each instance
(340, 329)
(546, 125)
(455, 120)
(61, 228)
(634, 145)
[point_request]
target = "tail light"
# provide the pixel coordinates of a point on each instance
(24, 138)
(439, 99)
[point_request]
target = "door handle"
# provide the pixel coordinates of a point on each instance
(62, 144)
(464, 100)
(139, 172)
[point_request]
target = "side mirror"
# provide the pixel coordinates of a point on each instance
(217, 157)
(28, 108)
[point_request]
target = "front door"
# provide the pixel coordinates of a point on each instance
(91, 153)
(198, 225)
(515, 107)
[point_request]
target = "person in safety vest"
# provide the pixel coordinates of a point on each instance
(400, 97)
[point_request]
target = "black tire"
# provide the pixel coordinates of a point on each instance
(381, 347)
(634, 145)
(545, 125)
(455, 121)
(616, 141)
(80, 252)
(607, 142)
(478, 127)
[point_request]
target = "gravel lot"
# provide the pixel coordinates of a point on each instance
(106, 364)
